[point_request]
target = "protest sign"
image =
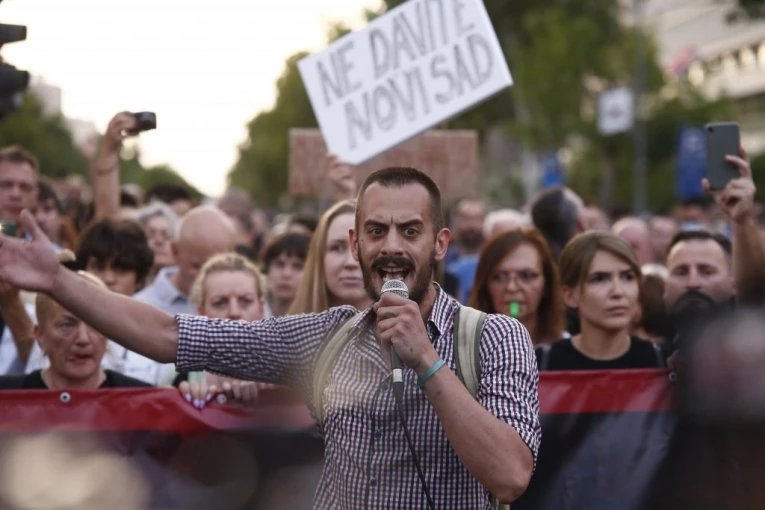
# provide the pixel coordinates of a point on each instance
(420, 64)
(449, 157)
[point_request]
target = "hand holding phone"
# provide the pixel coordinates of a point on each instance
(722, 139)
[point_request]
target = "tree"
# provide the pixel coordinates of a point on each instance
(133, 171)
(48, 138)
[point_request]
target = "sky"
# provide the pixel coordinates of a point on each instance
(206, 67)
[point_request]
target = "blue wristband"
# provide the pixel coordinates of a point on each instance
(427, 375)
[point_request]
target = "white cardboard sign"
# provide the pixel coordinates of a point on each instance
(418, 65)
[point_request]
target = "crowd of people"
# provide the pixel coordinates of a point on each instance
(241, 301)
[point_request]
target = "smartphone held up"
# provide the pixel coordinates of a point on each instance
(722, 139)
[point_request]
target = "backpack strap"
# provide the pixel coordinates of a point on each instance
(325, 359)
(468, 323)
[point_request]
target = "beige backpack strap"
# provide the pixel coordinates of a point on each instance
(325, 360)
(468, 323)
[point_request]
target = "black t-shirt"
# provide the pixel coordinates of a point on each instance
(562, 355)
(34, 381)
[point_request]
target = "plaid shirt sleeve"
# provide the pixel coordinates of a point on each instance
(509, 386)
(278, 350)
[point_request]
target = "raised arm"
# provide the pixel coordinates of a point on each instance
(32, 264)
(105, 168)
(736, 201)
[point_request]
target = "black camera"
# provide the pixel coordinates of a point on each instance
(144, 121)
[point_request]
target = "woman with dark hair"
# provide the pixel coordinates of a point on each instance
(516, 276)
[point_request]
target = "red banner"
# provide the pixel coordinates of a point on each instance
(604, 437)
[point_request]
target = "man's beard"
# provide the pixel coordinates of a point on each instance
(689, 314)
(423, 277)
(692, 303)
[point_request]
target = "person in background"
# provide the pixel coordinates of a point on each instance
(302, 223)
(19, 171)
(228, 287)
(503, 219)
(600, 277)
(115, 251)
(202, 232)
(662, 230)
(284, 260)
(159, 223)
(636, 232)
(331, 276)
(517, 276)
(709, 274)
(49, 216)
(559, 214)
(595, 218)
(74, 349)
(468, 238)
(176, 197)
(652, 322)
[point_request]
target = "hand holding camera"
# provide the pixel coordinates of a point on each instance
(126, 124)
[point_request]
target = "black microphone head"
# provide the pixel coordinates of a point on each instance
(396, 287)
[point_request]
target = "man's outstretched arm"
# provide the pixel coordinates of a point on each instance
(32, 264)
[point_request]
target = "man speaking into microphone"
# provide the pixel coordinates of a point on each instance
(433, 445)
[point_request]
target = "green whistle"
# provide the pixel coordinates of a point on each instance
(514, 309)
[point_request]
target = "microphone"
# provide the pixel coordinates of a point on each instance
(400, 288)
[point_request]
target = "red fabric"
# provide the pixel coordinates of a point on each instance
(162, 410)
(616, 391)
(165, 409)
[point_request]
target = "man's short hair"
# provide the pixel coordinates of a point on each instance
(17, 154)
(45, 192)
(291, 244)
(701, 235)
(119, 242)
(397, 177)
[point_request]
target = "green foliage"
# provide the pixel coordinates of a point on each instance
(48, 138)
(132, 171)
(562, 54)
(667, 118)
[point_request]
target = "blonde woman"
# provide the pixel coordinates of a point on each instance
(331, 276)
(228, 287)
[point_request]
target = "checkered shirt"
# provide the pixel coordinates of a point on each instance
(367, 463)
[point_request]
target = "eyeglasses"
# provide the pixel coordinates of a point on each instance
(502, 278)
